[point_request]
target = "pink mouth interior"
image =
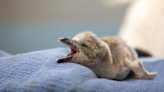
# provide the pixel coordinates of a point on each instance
(73, 50)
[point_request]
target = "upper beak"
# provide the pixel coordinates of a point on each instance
(66, 40)
(70, 43)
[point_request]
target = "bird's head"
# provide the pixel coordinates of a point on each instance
(86, 49)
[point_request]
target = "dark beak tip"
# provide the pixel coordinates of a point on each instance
(59, 61)
(61, 39)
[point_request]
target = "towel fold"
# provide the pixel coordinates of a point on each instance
(38, 72)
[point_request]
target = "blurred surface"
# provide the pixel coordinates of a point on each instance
(31, 25)
(143, 27)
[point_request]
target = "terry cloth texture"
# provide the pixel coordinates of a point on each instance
(38, 72)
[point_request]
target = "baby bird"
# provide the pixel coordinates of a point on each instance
(108, 57)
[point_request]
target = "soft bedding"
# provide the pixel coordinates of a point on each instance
(38, 72)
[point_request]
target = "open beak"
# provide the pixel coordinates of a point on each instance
(73, 45)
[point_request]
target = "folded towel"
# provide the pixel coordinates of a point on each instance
(38, 72)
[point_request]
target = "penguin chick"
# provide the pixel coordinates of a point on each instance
(108, 57)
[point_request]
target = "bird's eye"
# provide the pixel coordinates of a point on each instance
(84, 45)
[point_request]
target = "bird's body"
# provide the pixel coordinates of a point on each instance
(119, 52)
(108, 57)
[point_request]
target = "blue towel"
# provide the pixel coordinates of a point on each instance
(38, 72)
